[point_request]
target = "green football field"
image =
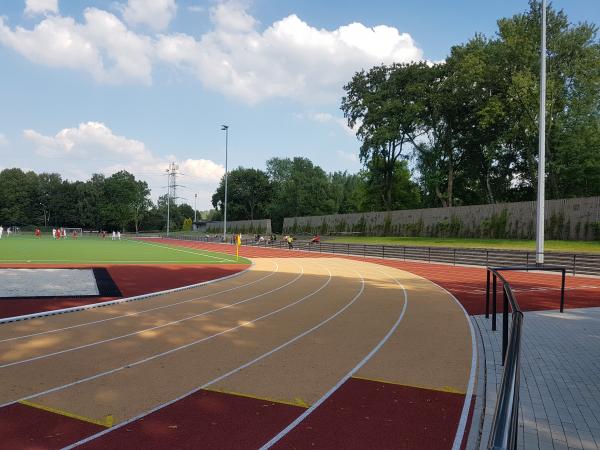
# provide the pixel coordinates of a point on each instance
(93, 250)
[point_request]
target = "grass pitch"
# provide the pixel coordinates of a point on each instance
(94, 250)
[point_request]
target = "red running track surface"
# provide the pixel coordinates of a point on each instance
(23, 427)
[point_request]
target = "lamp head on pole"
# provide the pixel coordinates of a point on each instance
(224, 127)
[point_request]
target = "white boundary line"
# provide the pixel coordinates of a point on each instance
(116, 338)
(276, 267)
(345, 378)
(168, 352)
(462, 424)
(119, 301)
(204, 252)
(225, 375)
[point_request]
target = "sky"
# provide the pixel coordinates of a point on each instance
(100, 86)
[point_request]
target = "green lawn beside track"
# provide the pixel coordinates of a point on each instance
(505, 244)
(94, 250)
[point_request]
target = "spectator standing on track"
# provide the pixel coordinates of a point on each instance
(316, 239)
(290, 241)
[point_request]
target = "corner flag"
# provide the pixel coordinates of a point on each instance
(238, 242)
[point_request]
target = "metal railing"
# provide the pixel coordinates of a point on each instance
(583, 263)
(575, 263)
(503, 435)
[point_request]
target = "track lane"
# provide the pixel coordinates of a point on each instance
(303, 372)
(16, 354)
(47, 373)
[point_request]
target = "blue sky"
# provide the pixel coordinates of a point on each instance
(98, 86)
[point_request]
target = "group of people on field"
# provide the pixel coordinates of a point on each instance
(58, 233)
(8, 231)
(116, 235)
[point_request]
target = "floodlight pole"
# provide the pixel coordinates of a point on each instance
(539, 236)
(195, 197)
(168, 198)
(226, 129)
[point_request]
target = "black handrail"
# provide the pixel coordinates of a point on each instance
(503, 434)
(506, 416)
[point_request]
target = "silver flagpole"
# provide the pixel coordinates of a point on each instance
(539, 236)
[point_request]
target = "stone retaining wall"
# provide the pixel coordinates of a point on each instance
(572, 219)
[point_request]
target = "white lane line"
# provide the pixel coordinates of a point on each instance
(168, 352)
(203, 252)
(227, 374)
(276, 269)
(345, 378)
(174, 322)
(462, 423)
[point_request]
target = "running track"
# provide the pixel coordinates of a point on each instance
(280, 355)
(314, 344)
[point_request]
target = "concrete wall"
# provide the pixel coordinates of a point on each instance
(573, 219)
(262, 226)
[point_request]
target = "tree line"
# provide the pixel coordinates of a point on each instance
(117, 202)
(292, 187)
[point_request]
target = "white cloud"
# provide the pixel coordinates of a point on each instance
(102, 46)
(90, 140)
(33, 7)
(288, 59)
(156, 14)
(92, 147)
(3, 140)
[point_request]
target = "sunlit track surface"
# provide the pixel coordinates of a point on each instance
(536, 291)
(287, 330)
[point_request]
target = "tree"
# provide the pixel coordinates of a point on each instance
(405, 193)
(127, 200)
(249, 194)
(299, 188)
(384, 104)
(17, 197)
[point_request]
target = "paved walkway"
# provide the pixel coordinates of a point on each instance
(560, 378)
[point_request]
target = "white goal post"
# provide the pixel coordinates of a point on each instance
(69, 232)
